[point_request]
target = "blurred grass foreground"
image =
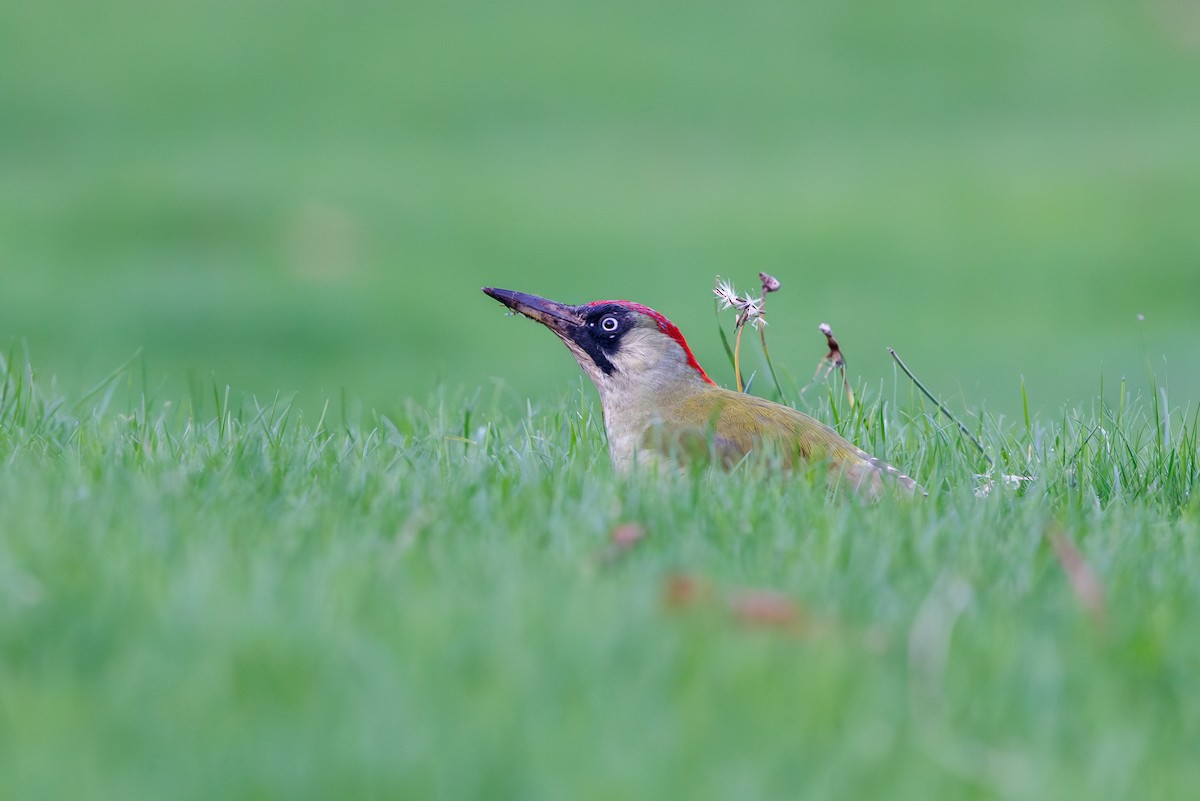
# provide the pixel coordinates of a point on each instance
(305, 197)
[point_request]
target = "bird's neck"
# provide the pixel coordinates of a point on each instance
(632, 404)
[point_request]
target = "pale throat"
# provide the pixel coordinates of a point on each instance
(652, 374)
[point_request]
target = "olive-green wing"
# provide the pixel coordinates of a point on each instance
(737, 423)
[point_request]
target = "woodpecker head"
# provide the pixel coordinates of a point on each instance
(618, 343)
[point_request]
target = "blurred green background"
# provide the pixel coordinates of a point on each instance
(306, 197)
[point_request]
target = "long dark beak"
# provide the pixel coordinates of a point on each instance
(558, 317)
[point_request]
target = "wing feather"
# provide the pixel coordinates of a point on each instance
(738, 423)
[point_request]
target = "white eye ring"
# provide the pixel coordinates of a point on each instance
(609, 324)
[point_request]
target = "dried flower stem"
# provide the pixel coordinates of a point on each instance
(833, 359)
(836, 359)
(769, 284)
(750, 310)
(938, 403)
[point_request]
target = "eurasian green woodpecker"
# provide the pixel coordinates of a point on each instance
(657, 400)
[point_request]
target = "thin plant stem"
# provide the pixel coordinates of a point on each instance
(724, 339)
(846, 386)
(762, 333)
(737, 349)
(769, 285)
(938, 403)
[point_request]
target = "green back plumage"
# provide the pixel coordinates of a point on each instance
(734, 424)
(740, 423)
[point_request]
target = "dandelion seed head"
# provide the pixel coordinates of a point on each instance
(727, 295)
(752, 312)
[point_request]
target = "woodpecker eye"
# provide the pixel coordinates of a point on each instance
(609, 324)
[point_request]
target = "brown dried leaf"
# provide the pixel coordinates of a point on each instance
(1084, 581)
(765, 608)
(627, 535)
(681, 591)
(834, 356)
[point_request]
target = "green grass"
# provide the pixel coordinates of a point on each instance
(215, 597)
